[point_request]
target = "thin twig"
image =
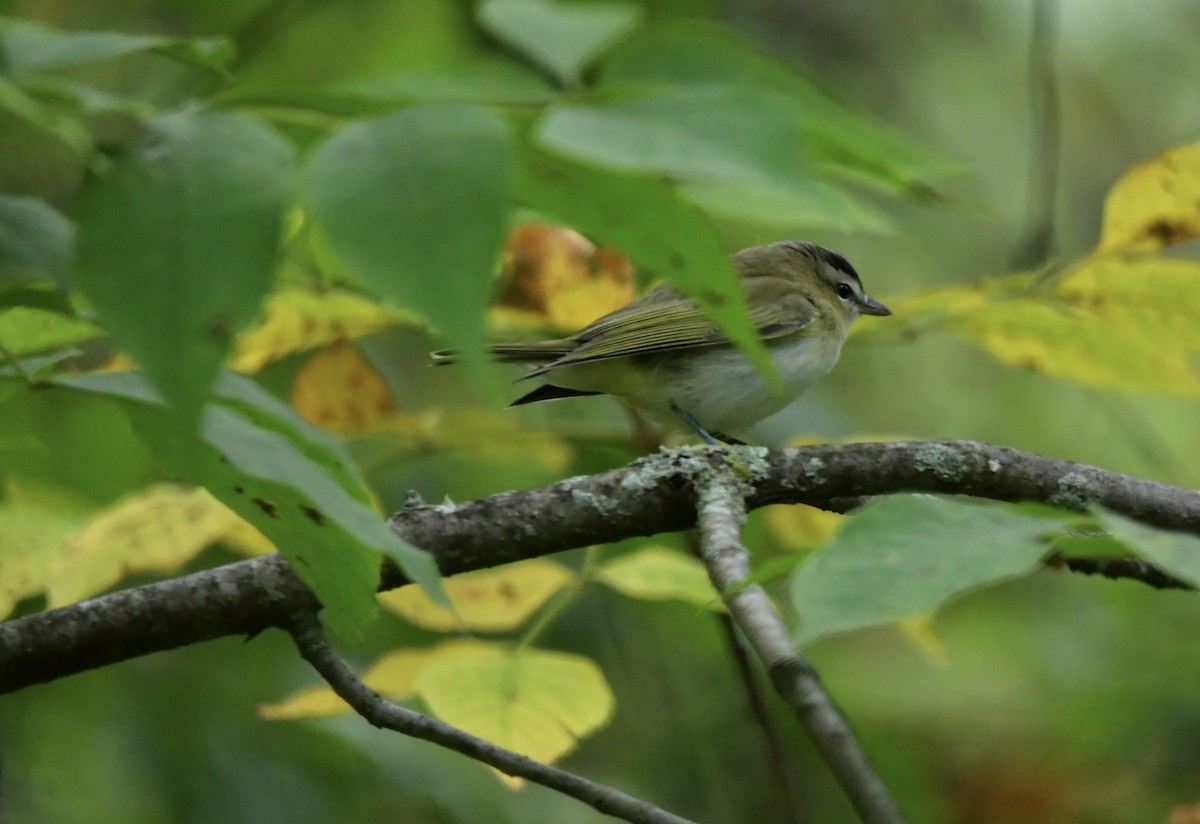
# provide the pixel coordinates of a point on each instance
(721, 511)
(314, 647)
(1045, 135)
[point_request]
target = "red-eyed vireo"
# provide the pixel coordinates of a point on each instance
(663, 356)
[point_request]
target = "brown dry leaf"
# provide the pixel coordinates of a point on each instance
(337, 389)
(555, 278)
(1155, 203)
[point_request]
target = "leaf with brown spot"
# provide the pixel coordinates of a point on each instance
(1154, 204)
(337, 389)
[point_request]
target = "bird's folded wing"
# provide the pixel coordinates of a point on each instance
(667, 321)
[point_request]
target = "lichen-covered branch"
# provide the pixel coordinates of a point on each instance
(651, 495)
(314, 647)
(721, 512)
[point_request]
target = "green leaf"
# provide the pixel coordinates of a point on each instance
(693, 54)
(293, 489)
(807, 203)
(416, 203)
(535, 702)
(1176, 552)
(35, 240)
(648, 221)
(26, 330)
(904, 555)
(560, 37)
(706, 133)
(659, 574)
(30, 47)
(177, 243)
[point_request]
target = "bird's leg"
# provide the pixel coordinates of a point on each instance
(690, 421)
(729, 439)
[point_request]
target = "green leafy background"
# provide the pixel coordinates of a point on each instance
(316, 195)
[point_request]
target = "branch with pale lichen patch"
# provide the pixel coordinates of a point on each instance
(721, 512)
(651, 495)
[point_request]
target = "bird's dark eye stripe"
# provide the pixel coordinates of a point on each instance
(838, 262)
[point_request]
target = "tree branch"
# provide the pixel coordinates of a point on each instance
(721, 514)
(310, 639)
(649, 496)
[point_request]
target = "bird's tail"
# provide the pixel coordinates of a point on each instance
(534, 352)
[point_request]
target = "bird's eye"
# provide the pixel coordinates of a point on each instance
(844, 291)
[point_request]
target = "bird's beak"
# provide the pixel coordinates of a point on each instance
(870, 306)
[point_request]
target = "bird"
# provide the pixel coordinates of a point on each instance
(663, 356)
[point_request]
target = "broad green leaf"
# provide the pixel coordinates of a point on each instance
(719, 133)
(660, 574)
(807, 203)
(27, 331)
(492, 600)
(560, 37)
(31, 47)
(293, 489)
(536, 702)
(905, 555)
(416, 204)
(648, 221)
(1176, 552)
(177, 243)
(35, 240)
(1155, 203)
(66, 128)
(837, 139)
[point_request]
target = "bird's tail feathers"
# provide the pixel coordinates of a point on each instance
(535, 352)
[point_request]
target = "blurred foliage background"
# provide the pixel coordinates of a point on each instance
(1049, 698)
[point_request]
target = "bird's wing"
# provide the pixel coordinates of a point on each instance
(664, 320)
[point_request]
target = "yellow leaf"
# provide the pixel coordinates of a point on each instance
(1077, 345)
(155, 530)
(919, 630)
(338, 390)
(536, 702)
(486, 436)
(1154, 203)
(554, 278)
(35, 522)
(1158, 296)
(490, 600)
(296, 318)
(393, 676)
(801, 527)
(658, 574)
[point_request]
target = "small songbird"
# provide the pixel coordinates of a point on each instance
(663, 356)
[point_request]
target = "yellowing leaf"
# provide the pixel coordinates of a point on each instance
(555, 278)
(155, 530)
(659, 574)
(338, 390)
(536, 702)
(1080, 346)
(490, 600)
(35, 523)
(920, 631)
(393, 676)
(801, 527)
(297, 319)
(487, 436)
(1156, 296)
(1155, 203)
